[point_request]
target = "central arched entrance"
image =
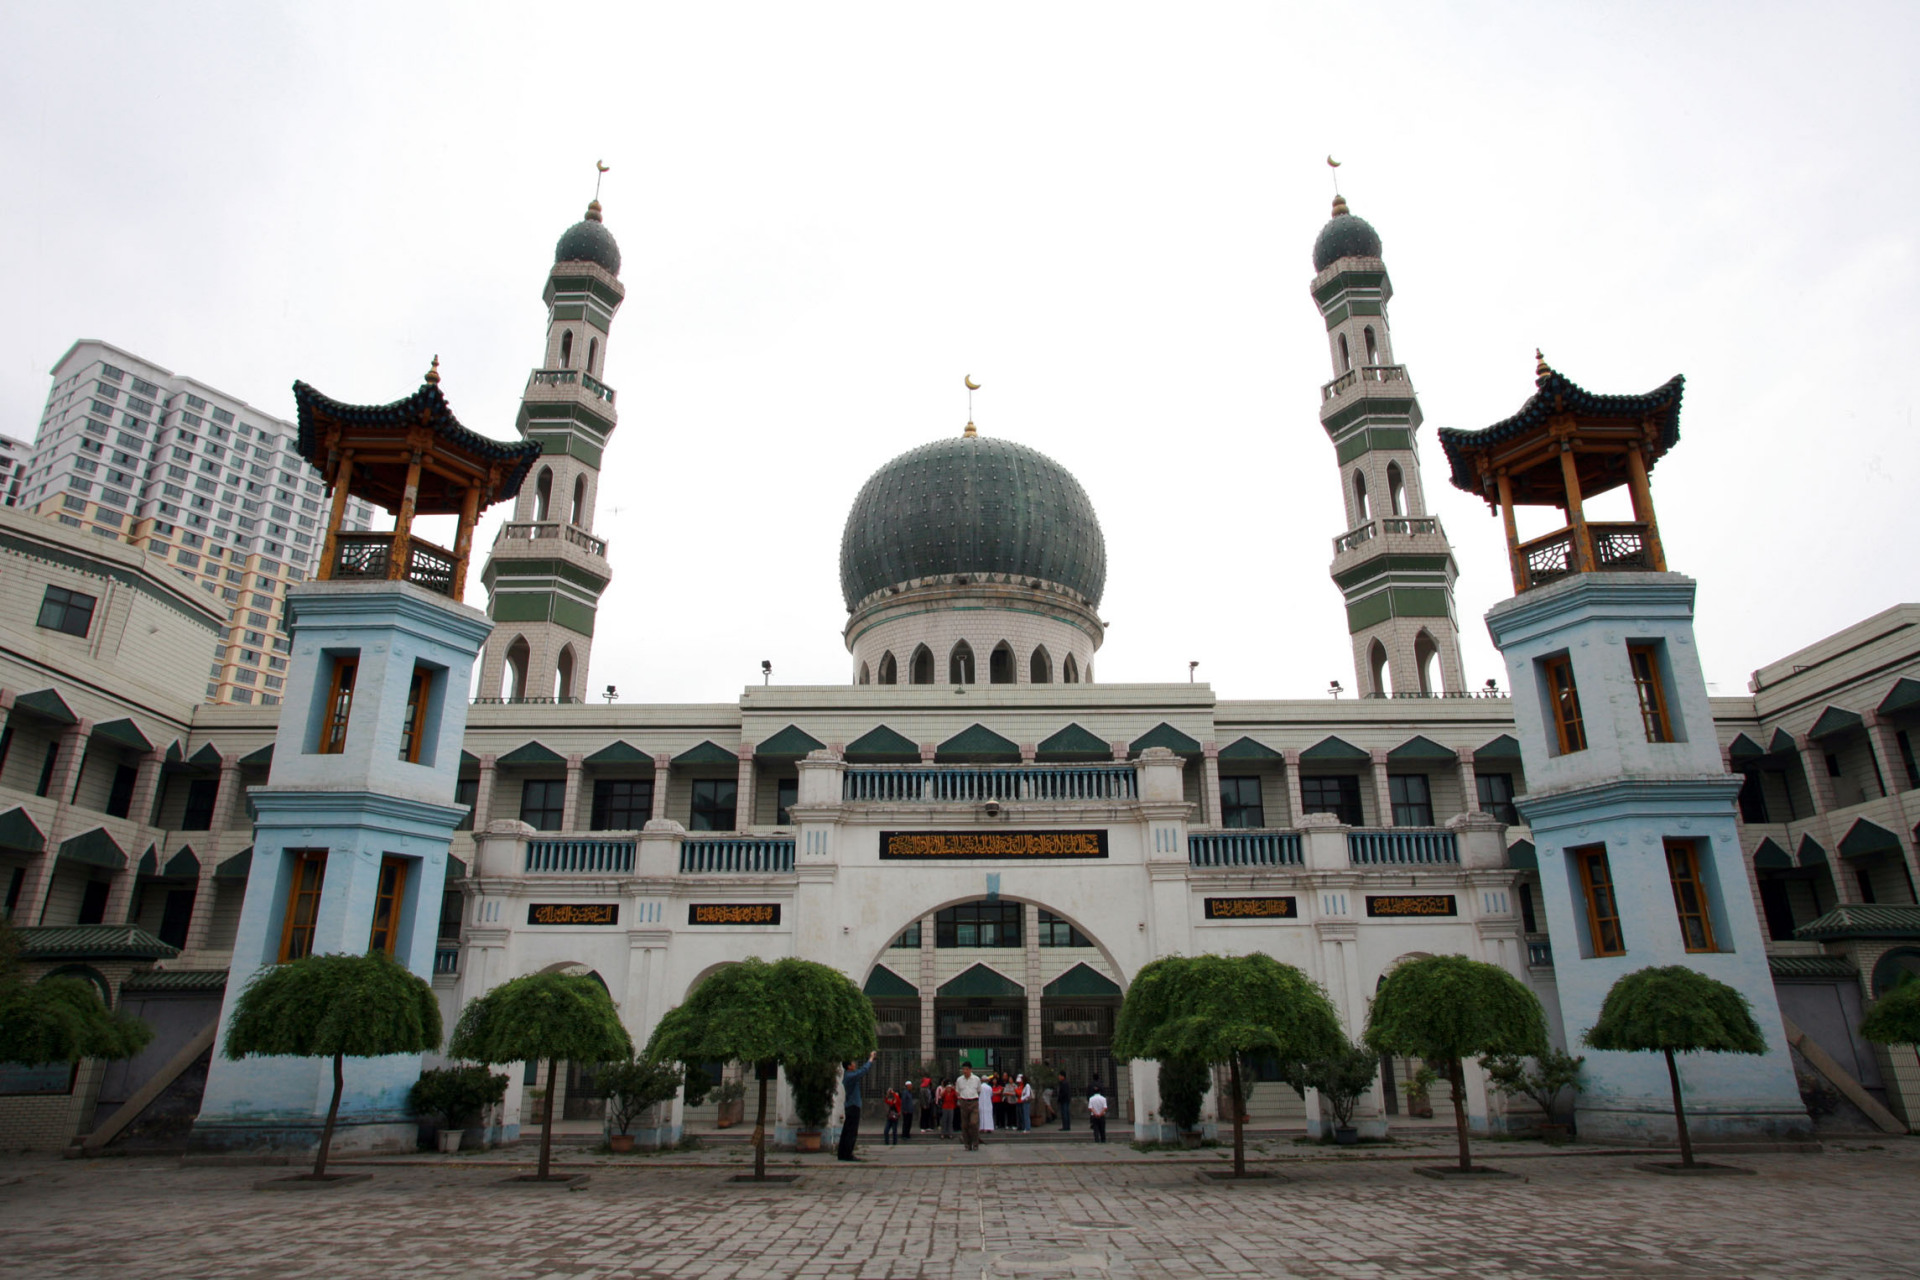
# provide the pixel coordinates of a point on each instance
(1007, 985)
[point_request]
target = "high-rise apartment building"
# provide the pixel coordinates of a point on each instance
(13, 464)
(198, 478)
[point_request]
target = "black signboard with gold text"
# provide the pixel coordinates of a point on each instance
(573, 913)
(733, 913)
(990, 846)
(1253, 909)
(1412, 904)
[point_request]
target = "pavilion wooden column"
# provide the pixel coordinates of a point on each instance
(342, 477)
(1514, 562)
(463, 539)
(1576, 518)
(403, 521)
(1643, 506)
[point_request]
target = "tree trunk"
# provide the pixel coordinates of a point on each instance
(1456, 1078)
(1239, 1139)
(546, 1121)
(760, 1129)
(1679, 1112)
(333, 1109)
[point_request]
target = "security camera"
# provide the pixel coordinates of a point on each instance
(993, 808)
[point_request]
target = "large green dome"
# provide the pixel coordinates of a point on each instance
(589, 241)
(1344, 236)
(972, 505)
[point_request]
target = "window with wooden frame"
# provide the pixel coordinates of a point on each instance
(1645, 661)
(1569, 729)
(413, 730)
(1689, 895)
(1603, 910)
(391, 893)
(303, 903)
(339, 705)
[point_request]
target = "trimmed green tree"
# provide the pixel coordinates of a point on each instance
(634, 1086)
(542, 1015)
(60, 1018)
(1672, 1009)
(456, 1095)
(1443, 1009)
(1341, 1079)
(1895, 1016)
(787, 1012)
(1183, 1092)
(1546, 1082)
(1221, 1009)
(334, 1006)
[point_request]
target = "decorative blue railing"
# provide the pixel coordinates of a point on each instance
(1400, 846)
(746, 855)
(1249, 848)
(581, 857)
(446, 960)
(961, 784)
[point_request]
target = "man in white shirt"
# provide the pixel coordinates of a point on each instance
(968, 1087)
(1097, 1112)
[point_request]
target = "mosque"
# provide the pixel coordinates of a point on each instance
(974, 827)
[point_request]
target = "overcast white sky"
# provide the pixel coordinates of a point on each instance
(830, 213)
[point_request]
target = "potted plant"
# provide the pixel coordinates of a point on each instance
(1553, 1074)
(1183, 1090)
(633, 1088)
(1342, 1079)
(813, 1084)
(731, 1100)
(457, 1097)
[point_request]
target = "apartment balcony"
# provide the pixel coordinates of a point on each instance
(370, 555)
(979, 784)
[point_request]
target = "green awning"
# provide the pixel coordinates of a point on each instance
(1782, 743)
(91, 942)
(1834, 720)
(18, 833)
(48, 704)
(1504, 747)
(1865, 838)
(184, 864)
(263, 758)
(706, 753)
(1421, 748)
(1330, 750)
(124, 732)
(95, 848)
(1165, 735)
(1081, 980)
(1074, 744)
(977, 744)
(467, 758)
(884, 982)
(1811, 854)
(1812, 967)
(982, 981)
(207, 757)
(149, 864)
(1745, 748)
(531, 753)
(236, 867)
(619, 753)
(882, 745)
(1521, 856)
(1861, 920)
(1905, 697)
(1771, 857)
(1248, 749)
(174, 754)
(791, 743)
(456, 868)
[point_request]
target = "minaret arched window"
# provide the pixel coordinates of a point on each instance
(563, 675)
(1000, 664)
(865, 675)
(1360, 507)
(566, 350)
(518, 655)
(1346, 359)
(889, 670)
(1040, 667)
(1378, 669)
(1373, 346)
(960, 665)
(1396, 489)
(593, 354)
(1069, 670)
(922, 669)
(580, 501)
(542, 493)
(1425, 654)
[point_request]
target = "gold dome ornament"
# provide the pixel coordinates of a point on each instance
(433, 374)
(972, 387)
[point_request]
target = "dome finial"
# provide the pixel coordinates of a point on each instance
(433, 374)
(1339, 206)
(600, 168)
(972, 387)
(970, 432)
(1541, 370)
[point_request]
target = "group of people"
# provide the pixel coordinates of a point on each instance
(968, 1104)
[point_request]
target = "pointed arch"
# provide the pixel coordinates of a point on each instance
(1346, 357)
(1373, 345)
(866, 677)
(1396, 489)
(563, 675)
(578, 516)
(542, 494)
(960, 665)
(1069, 670)
(1040, 667)
(1379, 674)
(566, 349)
(1360, 498)
(921, 669)
(593, 354)
(889, 669)
(1426, 654)
(519, 654)
(1000, 668)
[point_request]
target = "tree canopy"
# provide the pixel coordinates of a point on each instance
(1895, 1016)
(60, 1018)
(1674, 1008)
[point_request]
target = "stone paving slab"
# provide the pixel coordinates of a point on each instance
(1849, 1211)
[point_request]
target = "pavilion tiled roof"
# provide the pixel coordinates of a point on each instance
(426, 405)
(1557, 395)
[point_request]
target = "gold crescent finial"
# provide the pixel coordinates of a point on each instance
(433, 374)
(971, 384)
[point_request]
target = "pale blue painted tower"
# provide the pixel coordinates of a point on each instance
(352, 829)
(1632, 811)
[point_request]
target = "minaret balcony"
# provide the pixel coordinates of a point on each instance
(1386, 530)
(531, 531)
(571, 378)
(1616, 548)
(1364, 374)
(370, 555)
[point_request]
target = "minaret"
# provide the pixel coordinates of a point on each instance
(547, 570)
(1393, 565)
(1631, 809)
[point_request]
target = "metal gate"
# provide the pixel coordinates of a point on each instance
(1077, 1037)
(989, 1033)
(899, 1054)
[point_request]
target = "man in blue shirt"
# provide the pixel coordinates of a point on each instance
(850, 1081)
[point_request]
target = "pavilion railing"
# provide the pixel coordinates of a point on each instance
(1616, 548)
(951, 784)
(1247, 848)
(1396, 846)
(370, 555)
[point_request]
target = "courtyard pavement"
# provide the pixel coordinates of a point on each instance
(1025, 1210)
